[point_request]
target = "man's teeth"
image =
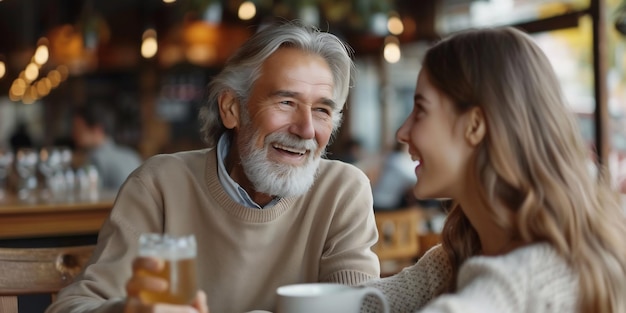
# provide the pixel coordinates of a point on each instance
(288, 149)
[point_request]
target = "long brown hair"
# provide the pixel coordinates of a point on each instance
(533, 160)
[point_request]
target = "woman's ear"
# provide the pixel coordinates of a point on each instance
(229, 109)
(476, 127)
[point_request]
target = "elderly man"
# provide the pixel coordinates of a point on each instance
(265, 207)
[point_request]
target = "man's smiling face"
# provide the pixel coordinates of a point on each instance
(288, 124)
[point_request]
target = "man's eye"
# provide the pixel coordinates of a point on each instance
(287, 102)
(322, 110)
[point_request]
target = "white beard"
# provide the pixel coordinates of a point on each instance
(278, 179)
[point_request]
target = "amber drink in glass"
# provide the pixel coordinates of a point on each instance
(179, 255)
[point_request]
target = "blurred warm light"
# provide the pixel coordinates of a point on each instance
(149, 48)
(200, 42)
(170, 55)
(149, 45)
(200, 33)
(12, 96)
(18, 88)
(42, 89)
(201, 54)
(3, 67)
(30, 96)
(66, 44)
(395, 26)
(31, 72)
(169, 1)
(46, 82)
(55, 78)
(391, 51)
(247, 10)
(41, 55)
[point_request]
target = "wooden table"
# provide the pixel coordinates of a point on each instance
(46, 218)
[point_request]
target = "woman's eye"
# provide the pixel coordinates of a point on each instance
(418, 112)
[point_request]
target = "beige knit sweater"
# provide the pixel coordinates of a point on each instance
(244, 254)
(532, 279)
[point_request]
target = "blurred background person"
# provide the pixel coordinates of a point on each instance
(92, 128)
(20, 138)
(353, 153)
(393, 187)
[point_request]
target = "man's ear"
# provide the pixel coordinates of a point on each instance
(229, 109)
(476, 126)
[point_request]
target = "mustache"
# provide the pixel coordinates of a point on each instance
(290, 140)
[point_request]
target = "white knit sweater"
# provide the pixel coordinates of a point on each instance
(531, 279)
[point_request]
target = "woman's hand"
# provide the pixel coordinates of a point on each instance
(142, 280)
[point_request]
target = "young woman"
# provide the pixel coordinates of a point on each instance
(531, 229)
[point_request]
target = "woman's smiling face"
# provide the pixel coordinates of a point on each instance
(435, 134)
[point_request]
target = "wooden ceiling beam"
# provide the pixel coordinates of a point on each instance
(563, 21)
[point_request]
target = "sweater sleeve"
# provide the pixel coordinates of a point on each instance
(101, 286)
(529, 279)
(348, 257)
(410, 289)
(486, 286)
(533, 278)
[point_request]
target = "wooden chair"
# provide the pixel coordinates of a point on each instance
(427, 241)
(397, 245)
(38, 271)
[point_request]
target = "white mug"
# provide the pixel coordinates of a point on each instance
(325, 297)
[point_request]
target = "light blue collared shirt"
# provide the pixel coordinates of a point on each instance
(232, 188)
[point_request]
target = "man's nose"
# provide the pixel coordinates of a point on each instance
(302, 124)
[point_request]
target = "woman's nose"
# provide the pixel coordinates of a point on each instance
(402, 133)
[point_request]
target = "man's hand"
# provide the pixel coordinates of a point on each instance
(141, 280)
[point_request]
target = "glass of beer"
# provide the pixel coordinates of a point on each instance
(179, 254)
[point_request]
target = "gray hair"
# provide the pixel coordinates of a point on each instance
(244, 67)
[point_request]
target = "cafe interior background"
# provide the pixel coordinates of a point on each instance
(153, 59)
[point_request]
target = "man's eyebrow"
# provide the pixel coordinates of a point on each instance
(284, 93)
(329, 102)
(292, 94)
